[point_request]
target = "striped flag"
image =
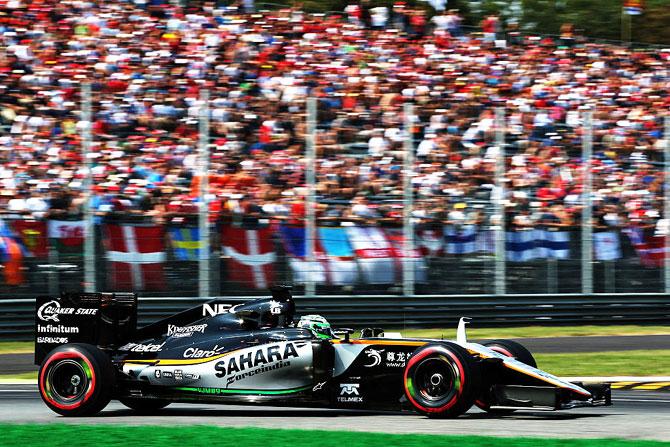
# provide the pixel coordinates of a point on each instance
(373, 253)
(606, 246)
(461, 240)
(185, 243)
(342, 266)
(397, 240)
(650, 248)
(293, 239)
(251, 255)
(136, 256)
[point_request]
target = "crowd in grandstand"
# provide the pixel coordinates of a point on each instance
(147, 63)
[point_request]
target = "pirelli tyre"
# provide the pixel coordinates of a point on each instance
(76, 380)
(510, 349)
(442, 380)
(144, 406)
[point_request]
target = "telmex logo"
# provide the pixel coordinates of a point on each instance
(349, 389)
(213, 310)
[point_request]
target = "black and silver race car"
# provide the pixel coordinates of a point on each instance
(90, 352)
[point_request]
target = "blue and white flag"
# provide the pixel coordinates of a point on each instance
(606, 246)
(527, 245)
(461, 240)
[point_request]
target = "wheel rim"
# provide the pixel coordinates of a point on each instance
(68, 381)
(436, 380)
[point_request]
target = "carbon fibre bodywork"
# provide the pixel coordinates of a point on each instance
(251, 353)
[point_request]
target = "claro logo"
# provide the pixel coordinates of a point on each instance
(50, 311)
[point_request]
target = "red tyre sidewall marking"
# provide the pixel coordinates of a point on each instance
(422, 355)
(500, 350)
(62, 356)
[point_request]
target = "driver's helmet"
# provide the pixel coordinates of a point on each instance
(318, 325)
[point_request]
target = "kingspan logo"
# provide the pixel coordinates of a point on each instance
(185, 331)
(251, 363)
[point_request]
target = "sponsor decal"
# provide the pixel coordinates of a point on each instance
(138, 347)
(59, 340)
(390, 359)
(397, 359)
(167, 374)
(157, 373)
(197, 353)
(375, 357)
(251, 363)
(213, 310)
(57, 329)
(178, 374)
(275, 307)
(50, 311)
(318, 386)
(189, 376)
(350, 393)
(185, 331)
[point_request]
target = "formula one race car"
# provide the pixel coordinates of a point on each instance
(255, 353)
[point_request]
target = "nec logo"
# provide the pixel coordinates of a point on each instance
(213, 310)
(350, 389)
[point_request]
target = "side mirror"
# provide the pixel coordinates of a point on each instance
(346, 331)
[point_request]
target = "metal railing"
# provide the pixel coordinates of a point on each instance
(17, 316)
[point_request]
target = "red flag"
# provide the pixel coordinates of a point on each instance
(251, 256)
(33, 235)
(649, 248)
(136, 255)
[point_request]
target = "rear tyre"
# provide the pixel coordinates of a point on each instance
(510, 349)
(76, 380)
(442, 380)
(144, 406)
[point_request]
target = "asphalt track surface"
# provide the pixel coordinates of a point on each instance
(634, 415)
(18, 363)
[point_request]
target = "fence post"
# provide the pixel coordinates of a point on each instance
(310, 199)
(408, 262)
(500, 259)
(666, 197)
(203, 210)
(89, 230)
(587, 202)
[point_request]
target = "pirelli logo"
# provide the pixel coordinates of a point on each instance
(653, 386)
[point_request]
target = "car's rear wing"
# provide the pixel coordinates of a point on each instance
(102, 319)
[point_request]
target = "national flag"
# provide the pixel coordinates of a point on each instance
(251, 255)
(527, 245)
(33, 235)
(185, 243)
(461, 240)
(520, 246)
(136, 256)
(11, 255)
(552, 244)
(67, 235)
(606, 246)
(340, 257)
(397, 239)
(293, 239)
(430, 242)
(649, 248)
(373, 253)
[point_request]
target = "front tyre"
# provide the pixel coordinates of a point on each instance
(144, 406)
(442, 380)
(76, 380)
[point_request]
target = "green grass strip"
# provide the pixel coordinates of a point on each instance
(57, 435)
(535, 331)
(618, 363)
